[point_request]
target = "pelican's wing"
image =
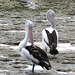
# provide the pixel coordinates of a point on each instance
(54, 51)
(27, 54)
(36, 52)
(44, 61)
(42, 53)
(54, 38)
(49, 37)
(39, 56)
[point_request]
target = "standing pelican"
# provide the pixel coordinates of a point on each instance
(32, 53)
(50, 35)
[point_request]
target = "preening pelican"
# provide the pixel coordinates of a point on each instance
(50, 34)
(33, 53)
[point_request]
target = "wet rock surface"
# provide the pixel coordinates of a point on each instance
(14, 13)
(11, 63)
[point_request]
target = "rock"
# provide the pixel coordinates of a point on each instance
(13, 17)
(14, 37)
(5, 59)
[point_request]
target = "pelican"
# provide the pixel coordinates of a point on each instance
(50, 34)
(33, 53)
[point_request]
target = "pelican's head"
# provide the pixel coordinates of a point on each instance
(51, 18)
(29, 24)
(50, 13)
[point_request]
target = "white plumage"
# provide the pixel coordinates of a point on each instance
(50, 34)
(26, 55)
(32, 53)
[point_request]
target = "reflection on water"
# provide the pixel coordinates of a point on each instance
(3, 56)
(4, 70)
(29, 67)
(70, 73)
(63, 72)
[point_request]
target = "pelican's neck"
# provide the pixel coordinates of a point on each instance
(23, 43)
(52, 21)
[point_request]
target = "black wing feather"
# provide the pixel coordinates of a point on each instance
(49, 37)
(52, 38)
(40, 55)
(37, 52)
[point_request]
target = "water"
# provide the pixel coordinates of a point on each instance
(29, 67)
(66, 73)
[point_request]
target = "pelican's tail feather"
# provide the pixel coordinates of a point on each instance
(54, 52)
(45, 64)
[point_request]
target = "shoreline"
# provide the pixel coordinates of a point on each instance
(62, 47)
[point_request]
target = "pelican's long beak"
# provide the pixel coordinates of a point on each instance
(54, 22)
(31, 36)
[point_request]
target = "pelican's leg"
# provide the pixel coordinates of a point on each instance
(31, 71)
(33, 68)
